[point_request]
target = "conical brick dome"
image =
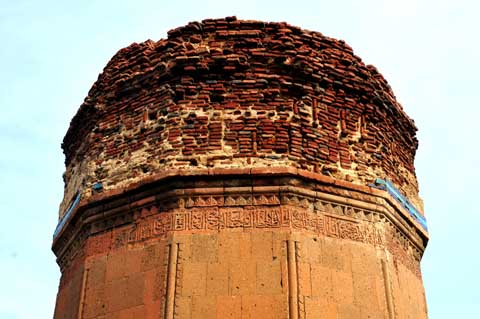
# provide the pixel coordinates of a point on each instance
(230, 93)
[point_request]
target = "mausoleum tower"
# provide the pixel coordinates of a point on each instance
(240, 169)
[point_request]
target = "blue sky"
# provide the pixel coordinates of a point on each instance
(52, 51)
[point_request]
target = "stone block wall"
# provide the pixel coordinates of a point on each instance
(241, 246)
(240, 275)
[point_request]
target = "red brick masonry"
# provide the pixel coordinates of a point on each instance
(230, 93)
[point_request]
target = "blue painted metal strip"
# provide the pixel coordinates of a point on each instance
(67, 215)
(392, 190)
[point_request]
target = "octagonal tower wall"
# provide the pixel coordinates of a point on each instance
(240, 169)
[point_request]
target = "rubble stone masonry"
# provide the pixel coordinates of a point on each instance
(226, 172)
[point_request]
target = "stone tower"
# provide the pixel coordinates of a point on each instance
(240, 169)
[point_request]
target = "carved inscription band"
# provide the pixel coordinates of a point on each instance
(189, 220)
(269, 211)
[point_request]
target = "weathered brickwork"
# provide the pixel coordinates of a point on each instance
(226, 172)
(229, 93)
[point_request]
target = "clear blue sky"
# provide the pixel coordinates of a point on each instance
(52, 51)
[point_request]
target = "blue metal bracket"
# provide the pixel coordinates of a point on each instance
(392, 190)
(65, 217)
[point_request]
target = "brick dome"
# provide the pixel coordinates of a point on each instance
(229, 93)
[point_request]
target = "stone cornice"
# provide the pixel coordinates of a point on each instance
(175, 188)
